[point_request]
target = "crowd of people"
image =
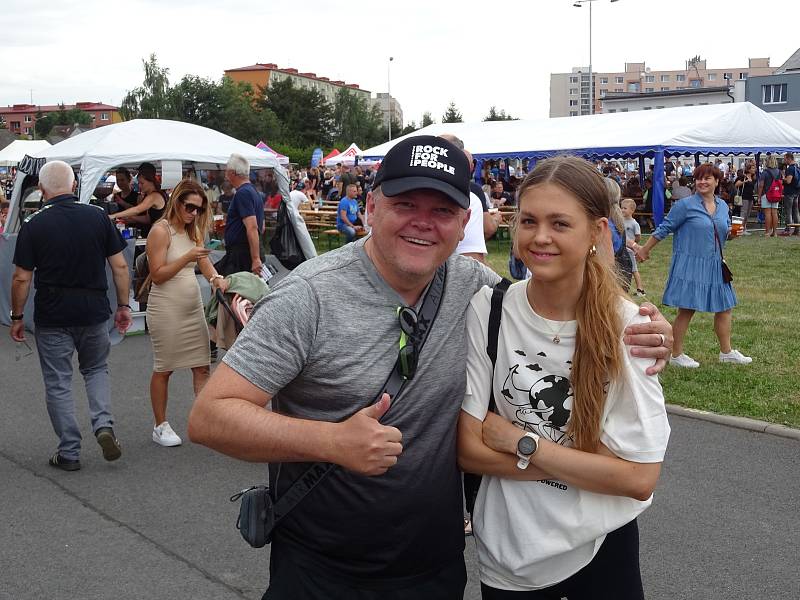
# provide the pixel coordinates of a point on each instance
(528, 384)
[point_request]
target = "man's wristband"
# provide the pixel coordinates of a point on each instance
(16, 317)
(128, 306)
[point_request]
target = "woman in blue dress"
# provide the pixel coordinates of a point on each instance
(700, 224)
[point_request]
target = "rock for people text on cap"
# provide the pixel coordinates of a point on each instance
(428, 156)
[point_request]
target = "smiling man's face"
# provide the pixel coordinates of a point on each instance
(413, 233)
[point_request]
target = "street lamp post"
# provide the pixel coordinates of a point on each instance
(579, 4)
(389, 93)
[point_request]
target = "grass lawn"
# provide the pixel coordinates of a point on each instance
(765, 326)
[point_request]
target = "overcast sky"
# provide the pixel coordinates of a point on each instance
(477, 54)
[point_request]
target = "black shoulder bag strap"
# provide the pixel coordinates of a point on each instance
(472, 482)
(727, 274)
(395, 383)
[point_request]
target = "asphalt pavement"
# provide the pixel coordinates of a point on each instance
(725, 523)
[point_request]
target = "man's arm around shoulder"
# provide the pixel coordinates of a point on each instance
(229, 416)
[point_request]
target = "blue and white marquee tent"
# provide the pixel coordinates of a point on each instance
(722, 129)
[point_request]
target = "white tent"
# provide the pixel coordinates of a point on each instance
(790, 117)
(349, 157)
(740, 128)
(16, 151)
(168, 143)
(726, 129)
(145, 140)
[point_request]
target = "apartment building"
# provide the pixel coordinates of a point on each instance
(20, 119)
(779, 92)
(262, 75)
(265, 74)
(571, 94)
(389, 105)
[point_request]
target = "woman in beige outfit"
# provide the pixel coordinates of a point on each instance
(178, 329)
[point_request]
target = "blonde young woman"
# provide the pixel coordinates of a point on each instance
(178, 329)
(574, 452)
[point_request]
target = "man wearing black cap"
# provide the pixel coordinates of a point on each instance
(388, 518)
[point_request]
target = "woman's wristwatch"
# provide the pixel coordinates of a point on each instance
(526, 448)
(213, 277)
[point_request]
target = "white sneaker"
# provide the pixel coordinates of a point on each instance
(682, 360)
(165, 436)
(735, 357)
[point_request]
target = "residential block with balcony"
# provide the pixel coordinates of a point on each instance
(572, 95)
(262, 75)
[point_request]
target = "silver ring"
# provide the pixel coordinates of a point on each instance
(663, 339)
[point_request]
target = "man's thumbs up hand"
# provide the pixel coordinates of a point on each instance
(365, 446)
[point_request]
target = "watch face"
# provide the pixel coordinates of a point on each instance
(526, 445)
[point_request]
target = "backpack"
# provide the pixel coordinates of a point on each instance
(775, 189)
(472, 481)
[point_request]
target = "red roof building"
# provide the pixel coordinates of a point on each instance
(20, 119)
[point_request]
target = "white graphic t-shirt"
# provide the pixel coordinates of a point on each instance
(534, 534)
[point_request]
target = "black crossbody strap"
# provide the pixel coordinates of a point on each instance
(716, 236)
(495, 316)
(317, 472)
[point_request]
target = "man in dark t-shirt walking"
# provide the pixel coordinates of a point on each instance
(65, 247)
(245, 222)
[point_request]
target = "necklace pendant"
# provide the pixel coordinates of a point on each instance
(556, 339)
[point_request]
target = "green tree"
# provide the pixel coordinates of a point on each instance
(195, 100)
(410, 128)
(498, 116)
(74, 116)
(452, 115)
(305, 115)
(301, 156)
(151, 100)
(427, 119)
(227, 106)
(354, 120)
(244, 116)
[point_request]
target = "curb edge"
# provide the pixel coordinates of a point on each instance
(737, 422)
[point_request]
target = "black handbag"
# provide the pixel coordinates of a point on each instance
(284, 244)
(259, 512)
(472, 481)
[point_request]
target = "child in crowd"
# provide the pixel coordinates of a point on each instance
(633, 233)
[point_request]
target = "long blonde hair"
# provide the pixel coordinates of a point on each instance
(598, 352)
(196, 230)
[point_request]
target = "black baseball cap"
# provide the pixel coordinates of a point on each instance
(425, 162)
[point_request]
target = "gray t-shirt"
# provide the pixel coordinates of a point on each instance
(323, 342)
(632, 229)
